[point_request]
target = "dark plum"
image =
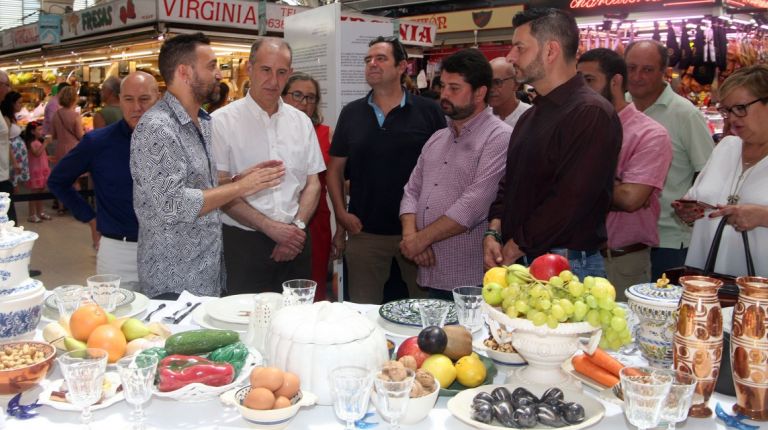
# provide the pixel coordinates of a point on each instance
(572, 413)
(432, 340)
(525, 416)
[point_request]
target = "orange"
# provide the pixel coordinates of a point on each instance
(110, 339)
(85, 319)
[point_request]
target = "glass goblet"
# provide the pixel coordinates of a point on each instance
(644, 393)
(675, 407)
(351, 390)
(84, 372)
(299, 291)
(393, 397)
(137, 374)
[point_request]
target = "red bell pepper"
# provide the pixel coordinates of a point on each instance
(176, 371)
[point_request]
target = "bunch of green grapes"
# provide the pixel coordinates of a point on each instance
(565, 299)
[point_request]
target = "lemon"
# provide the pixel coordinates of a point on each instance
(441, 367)
(470, 371)
(497, 275)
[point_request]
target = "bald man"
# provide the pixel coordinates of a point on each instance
(105, 154)
(502, 97)
(6, 186)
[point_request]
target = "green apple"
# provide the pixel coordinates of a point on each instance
(492, 293)
(73, 344)
(134, 329)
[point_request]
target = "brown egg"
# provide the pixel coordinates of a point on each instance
(282, 402)
(260, 399)
(290, 385)
(270, 378)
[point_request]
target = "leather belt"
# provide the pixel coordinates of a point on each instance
(121, 238)
(624, 250)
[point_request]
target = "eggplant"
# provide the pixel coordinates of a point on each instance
(501, 393)
(549, 415)
(482, 411)
(522, 393)
(525, 416)
(502, 411)
(572, 413)
(484, 397)
(553, 393)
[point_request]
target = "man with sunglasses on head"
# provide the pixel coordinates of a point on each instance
(691, 144)
(266, 241)
(502, 96)
(377, 142)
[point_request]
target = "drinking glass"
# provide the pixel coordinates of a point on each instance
(469, 307)
(351, 390)
(675, 406)
(84, 372)
(433, 312)
(137, 374)
(392, 397)
(644, 393)
(299, 291)
(68, 298)
(104, 289)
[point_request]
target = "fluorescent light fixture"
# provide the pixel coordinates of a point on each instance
(56, 63)
(132, 54)
(96, 59)
(742, 21)
(102, 64)
(677, 18)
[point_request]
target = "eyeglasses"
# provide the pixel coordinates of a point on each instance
(739, 111)
(500, 82)
(300, 97)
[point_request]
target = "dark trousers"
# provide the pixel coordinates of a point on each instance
(7, 187)
(663, 259)
(250, 269)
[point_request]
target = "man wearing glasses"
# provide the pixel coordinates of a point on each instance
(6, 186)
(265, 235)
(377, 141)
(502, 96)
(691, 144)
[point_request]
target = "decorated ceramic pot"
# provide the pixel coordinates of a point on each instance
(749, 348)
(656, 308)
(20, 313)
(15, 250)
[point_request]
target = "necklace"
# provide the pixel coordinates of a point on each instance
(737, 183)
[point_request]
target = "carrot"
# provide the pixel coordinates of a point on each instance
(604, 360)
(583, 365)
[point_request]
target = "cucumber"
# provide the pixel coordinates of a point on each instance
(199, 341)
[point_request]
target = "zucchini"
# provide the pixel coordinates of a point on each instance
(199, 341)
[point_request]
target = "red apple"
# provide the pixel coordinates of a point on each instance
(410, 347)
(548, 265)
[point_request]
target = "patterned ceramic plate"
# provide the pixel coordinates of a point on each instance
(406, 311)
(124, 297)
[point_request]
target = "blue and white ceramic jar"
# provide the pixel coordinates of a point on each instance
(656, 308)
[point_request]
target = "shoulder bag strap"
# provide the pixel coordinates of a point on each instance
(709, 266)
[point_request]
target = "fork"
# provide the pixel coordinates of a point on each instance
(171, 318)
(149, 315)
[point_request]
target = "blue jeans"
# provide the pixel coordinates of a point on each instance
(582, 265)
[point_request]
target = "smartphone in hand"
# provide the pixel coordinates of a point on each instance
(697, 203)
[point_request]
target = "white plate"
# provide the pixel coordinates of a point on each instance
(498, 357)
(45, 399)
(136, 307)
(201, 318)
(589, 382)
(228, 309)
(390, 328)
(460, 407)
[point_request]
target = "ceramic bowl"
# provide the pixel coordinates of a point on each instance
(23, 378)
(19, 316)
(499, 357)
(418, 408)
(15, 252)
(656, 309)
(273, 419)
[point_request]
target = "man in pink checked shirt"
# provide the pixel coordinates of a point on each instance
(444, 209)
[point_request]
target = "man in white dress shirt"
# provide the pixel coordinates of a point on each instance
(265, 235)
(503, 94)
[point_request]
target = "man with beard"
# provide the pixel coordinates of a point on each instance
(444, 209)
(175, 188)
(377, 141)
(646, 152)
(562, 156)
(265, 235)
(503, 92)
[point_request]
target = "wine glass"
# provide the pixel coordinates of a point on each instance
(675, 406)
(84, 372)
(137, 374)
(351, 390)
(393, 396)
(644, 393)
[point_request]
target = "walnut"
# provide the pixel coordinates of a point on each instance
(408, 361)
(394, 370)
(426, 380)
(417, 390)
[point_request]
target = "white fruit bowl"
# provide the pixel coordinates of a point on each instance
(544, 349)
(273, 419)
(417, 409)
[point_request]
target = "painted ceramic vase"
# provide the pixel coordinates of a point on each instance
(749, 348)
(698, 340)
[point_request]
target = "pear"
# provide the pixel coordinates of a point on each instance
(159, 329)
(73, 344)
(54, 334)
(64, 322)
(134, 329)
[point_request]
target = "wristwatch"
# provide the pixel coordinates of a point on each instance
(299, 223)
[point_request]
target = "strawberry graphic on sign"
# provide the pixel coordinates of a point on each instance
(482, 18)
(127, 12)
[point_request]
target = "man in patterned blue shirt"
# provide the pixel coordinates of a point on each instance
(176, 192)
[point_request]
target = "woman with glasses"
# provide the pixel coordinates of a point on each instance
(303, 92)
(734, 180)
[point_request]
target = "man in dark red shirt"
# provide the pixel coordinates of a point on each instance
(556, 192)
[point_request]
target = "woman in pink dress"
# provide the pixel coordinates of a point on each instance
(66, 127)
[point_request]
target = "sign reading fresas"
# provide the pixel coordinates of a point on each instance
(468, 20)
(410, 33)
(227, 13)
(107, 17)
(760, 4)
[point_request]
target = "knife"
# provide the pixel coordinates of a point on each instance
(184, 315)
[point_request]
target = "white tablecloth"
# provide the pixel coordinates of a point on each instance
(171, 414)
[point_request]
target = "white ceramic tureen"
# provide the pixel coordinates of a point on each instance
(656, 308)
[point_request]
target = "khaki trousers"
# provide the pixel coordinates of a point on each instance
(369, 259)
(627, 270)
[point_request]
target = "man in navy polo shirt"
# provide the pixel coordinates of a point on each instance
(105, 154)
(377, 141)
